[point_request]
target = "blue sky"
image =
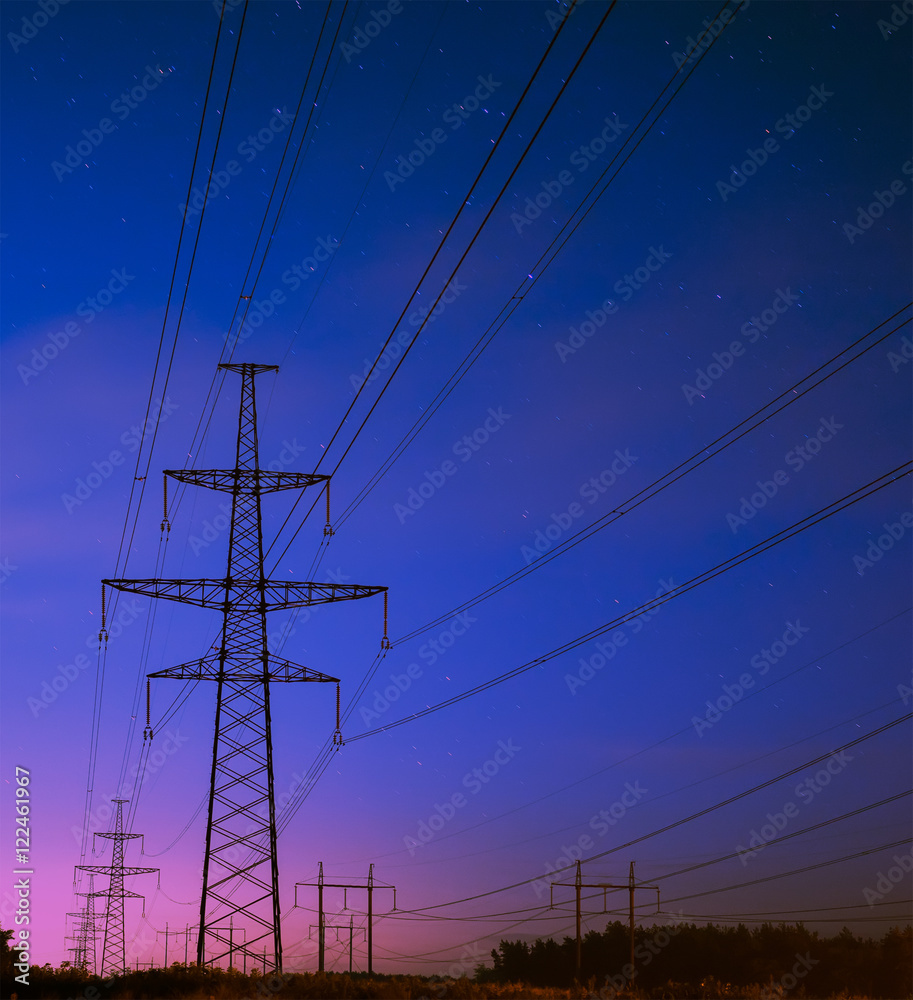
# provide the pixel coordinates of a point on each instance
(758, 228)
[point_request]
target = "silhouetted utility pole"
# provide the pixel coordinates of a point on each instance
(240, 866)
(579, 884)
(168, 934)
(114, 952)
(351, 928)
(370, 886)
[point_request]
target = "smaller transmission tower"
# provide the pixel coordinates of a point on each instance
(114, 952)
(85, 931)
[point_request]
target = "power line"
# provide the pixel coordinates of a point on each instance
(758, 548)
(687, 819)
(683, 468)
(860, 493)
(530, 279)
(464, 202)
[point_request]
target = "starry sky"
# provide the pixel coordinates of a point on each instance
(633, 460)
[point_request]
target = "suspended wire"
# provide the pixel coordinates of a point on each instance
(144, 758)
(294, 805)
(171, 288)
(142, 479)
(795, 871)
(789, 836)
(301, 793)
(370, 177)
(303, 147)
(647, 749)
(678, 472)
(99, 686)
(530, 279)
(711, 892)
(687, 819)
(218, 378)
(707, 575)
(463, 204)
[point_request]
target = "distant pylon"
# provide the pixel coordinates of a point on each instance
(239, 905)
(114, 951)
(86, 931)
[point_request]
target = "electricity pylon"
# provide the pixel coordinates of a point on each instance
(86, 931)
(114, 951)
(240, 867)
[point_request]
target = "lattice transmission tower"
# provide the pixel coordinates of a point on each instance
(240, 867)
(114, 951)
(86, 931)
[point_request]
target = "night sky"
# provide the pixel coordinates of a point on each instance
(644, 274)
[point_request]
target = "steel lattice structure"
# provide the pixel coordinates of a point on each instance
(86, 931)
(114, 951)
(240, 868)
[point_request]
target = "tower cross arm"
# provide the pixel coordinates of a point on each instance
(246, 594)
(214, 668)
(107, 869)
(246, 480)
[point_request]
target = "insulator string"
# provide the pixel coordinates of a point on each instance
(103, 631)
(385, 642)
(337, 735)
(165, 522)
(328, 528)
